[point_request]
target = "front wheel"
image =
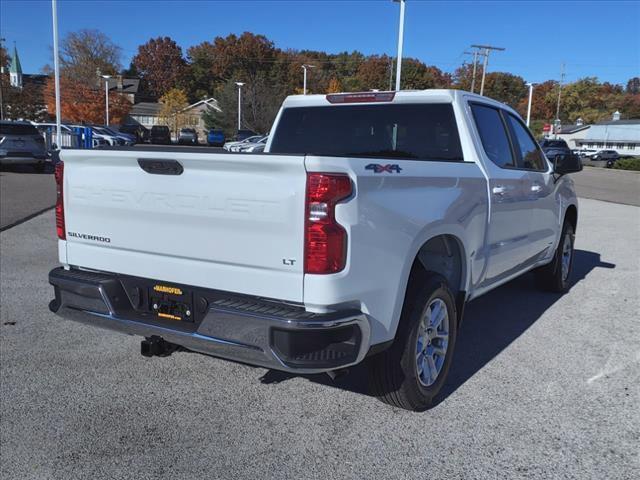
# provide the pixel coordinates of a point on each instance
(555, 276)
(413, 370)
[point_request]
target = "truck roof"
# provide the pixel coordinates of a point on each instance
(403, 96)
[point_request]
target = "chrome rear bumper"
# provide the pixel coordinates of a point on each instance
(253, 331)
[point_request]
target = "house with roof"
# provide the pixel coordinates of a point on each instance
(623, 136)
(148, 114)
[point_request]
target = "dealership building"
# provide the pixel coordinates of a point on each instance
(623, 136)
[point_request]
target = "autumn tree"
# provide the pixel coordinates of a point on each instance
(375, 73)
(161, 66)
(82, 103)
(25, 103)
(5, 60)
(173, 103)
(334, 86)
(633, 86)
(85, 52)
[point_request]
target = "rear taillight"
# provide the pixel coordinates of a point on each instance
(59, 174)
(325, 239)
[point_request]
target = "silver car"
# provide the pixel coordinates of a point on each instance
(21, 143)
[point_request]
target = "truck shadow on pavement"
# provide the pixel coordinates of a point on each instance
(491, 323)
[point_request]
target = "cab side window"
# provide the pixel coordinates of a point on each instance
(529, 155)
(493, 135)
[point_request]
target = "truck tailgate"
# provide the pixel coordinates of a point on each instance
(229, 221)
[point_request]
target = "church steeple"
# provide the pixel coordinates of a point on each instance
(15, 69)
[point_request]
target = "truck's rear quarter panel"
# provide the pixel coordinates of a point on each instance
(390, 217)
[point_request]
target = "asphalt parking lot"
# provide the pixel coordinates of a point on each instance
(24, 193)
(541, 387)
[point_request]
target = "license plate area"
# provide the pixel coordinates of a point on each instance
(171, 303)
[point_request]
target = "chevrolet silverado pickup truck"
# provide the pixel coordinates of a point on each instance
(360, 234)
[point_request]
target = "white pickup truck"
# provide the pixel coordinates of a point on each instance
(371, 221)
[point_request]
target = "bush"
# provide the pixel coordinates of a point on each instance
(628, 164)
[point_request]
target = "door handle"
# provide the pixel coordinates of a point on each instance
(536, 187)
(499, 190)
(160, 167)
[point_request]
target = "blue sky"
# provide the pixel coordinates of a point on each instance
(594, 38)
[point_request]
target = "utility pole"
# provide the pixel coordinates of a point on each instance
(487, 49)
(400, 42)
(390, 73)
(56, 69)
(530, 84)
(475, 54)
(557, 121)
(239, 84)
(304, 80)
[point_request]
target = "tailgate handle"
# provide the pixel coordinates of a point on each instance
(160, 167)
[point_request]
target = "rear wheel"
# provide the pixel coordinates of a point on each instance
(555, 276)
(413, 370)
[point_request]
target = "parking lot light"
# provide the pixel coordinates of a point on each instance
(304, 81)
(106, 99)
(530, 85)
(400, 43)
(239, 84)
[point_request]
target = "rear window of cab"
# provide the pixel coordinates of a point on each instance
(424, 131)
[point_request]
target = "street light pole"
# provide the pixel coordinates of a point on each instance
(106, 98)
(529, 106)
(304, 78)
(239, 84)
(56, 69)
(400, 44)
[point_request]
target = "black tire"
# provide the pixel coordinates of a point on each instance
(552, 277)
(39, 167)
(393, 374)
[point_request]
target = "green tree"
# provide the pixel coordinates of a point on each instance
(505, 87)
(212, 118)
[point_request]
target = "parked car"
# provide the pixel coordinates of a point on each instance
(188, 136)
(21, 143)
(610, 156)
(101, 136)
(160, 134)
(140, 132)
(254, 147)
(243, 134)
(547, 143)
(235, 146)
(215, 138)
(374, 219)
(121, 138)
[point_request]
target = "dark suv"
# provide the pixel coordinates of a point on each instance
(21, 143)
(160, 134)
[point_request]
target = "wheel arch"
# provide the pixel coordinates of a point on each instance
(444, 254)
(571, 215)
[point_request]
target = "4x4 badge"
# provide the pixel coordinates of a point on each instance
(389, 168)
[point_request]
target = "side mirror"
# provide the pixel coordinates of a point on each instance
(563, 164)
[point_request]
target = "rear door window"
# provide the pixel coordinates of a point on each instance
(493, 134)
(405, 131)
